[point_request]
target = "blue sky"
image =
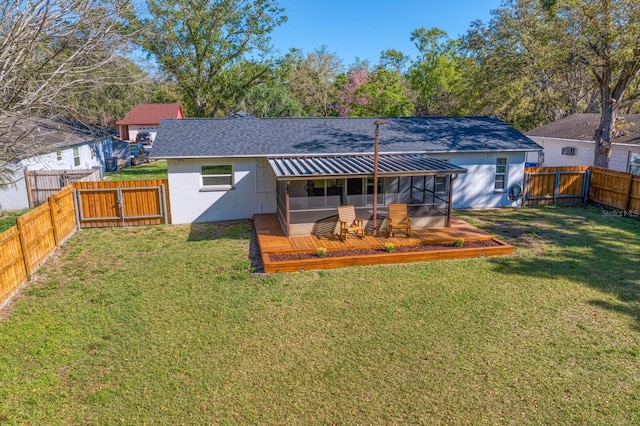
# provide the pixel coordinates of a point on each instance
(364, 28)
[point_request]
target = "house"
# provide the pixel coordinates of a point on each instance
(303, 168)
(146, 118)
(49, 145)
(570, 142)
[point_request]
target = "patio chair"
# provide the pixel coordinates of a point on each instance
(398, 219)
(349, 222)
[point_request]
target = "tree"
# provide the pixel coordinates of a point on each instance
(524, 67)
(394, 60)
(53, 51)
(272, 100)
(313, 82)
(434, 76)
(105, 104)
(605, 35)
(538, 61)
(355, 78)
(215, 50)
(380, 94)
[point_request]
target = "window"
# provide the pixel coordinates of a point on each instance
(634, 163)
(440, 184)
(76, 157)
(59, 155)
(501, 174)
(217, 177)
(370, 185)
(315, 188)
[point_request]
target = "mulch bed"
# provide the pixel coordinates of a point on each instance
(380, 250)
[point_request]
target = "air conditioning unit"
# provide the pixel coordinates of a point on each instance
(569, 150)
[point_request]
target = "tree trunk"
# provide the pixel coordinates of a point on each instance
(606, 130)
(605, 134)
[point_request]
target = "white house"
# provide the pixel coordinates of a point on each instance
(51, 145)
(303, 168)
(570, 142)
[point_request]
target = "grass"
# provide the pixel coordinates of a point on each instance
(153, 170)
(8, 218)
(167, 325)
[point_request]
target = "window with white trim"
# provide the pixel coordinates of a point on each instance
(76, 157)
(501, 174)
(217, 177)
(59, 155)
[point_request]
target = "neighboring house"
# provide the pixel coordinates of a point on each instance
(303, 168)
(570, 142)
(51, 145)
(146, 118)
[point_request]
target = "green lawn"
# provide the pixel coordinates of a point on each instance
(8, 218)
(153, 170)
(167, 325)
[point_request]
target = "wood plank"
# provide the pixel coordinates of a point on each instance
(271, 240)
(384, 259)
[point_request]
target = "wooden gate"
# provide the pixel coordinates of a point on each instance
(556, 185)
(126, 203)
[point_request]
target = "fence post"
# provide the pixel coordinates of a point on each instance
(53, 215)
(163, 203)
(629, 193)
(25, 254)
(556, 188)
(527, 181)
(76, 203)
(27, 182)
(585, 185)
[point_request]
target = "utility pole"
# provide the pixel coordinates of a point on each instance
(376, 149)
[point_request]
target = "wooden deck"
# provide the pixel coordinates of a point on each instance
(271, 240)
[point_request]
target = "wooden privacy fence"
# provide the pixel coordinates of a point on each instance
(125, 203)
(556, 185)
(41, 184)
(577, 184)
(618, 190)
(24, 247)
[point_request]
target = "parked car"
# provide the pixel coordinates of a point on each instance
(144, 138)
(138, 154)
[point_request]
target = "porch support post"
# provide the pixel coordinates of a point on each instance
(286, 207)
(449, 206)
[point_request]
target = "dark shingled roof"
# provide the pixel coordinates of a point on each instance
(238, 137)
(255, 137)
(28, 138)
(582, 127)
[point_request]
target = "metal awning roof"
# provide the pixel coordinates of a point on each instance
(305, 167)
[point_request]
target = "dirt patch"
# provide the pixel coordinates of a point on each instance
(254, 254)
(380, 250)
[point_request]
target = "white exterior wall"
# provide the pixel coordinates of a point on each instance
(255, 186)
(14, 197)
(475, 189)
(254, 191)
(584, 153)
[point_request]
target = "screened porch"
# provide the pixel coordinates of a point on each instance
(310, 188)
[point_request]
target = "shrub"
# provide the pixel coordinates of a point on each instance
(389, 247)
(321, 251)
(458, 243)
